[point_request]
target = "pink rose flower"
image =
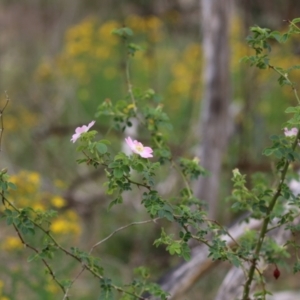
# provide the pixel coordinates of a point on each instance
(290, 132)
(139, 148)
(80, 130)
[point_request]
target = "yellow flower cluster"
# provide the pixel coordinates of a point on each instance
(91, 48)
(23, 118)
(87, 49)
(44, 71)
(67, 223)
(186, 74)
(151, 26)
(1, 291)
(92, 51)
(28, 190)
(29, 194)
(11, 243)
(238, 45)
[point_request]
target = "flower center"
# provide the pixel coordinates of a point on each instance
(139, 147)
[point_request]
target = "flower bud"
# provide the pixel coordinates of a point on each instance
(276, 273)
(3, 171)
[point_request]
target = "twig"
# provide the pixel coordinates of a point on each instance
(122, 228)
(1, 117)
(225, 230)
(43, 260)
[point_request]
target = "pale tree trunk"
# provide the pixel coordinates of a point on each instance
(214, 119)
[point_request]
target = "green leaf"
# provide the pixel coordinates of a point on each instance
(8, 212)
(296, 20)
(268, 151)
(106, 292)
(278, 153)
(274, 137)
(32, 257)
(174, 248)
(9, 221)
(102, 148)
(292, 109)
(123, 32)
(139, 167)
(12, 185)
(118, 173)
(186, 251)
(284, 37)
(296, 267)
(106, 142)
(128, 31)
(106, 295)
(234, 259)
(3, 185)
(118, 200)
(276, 35)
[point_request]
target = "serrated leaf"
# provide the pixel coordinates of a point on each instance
(234, 260)
(276, 35)
(284, 38)
(186, 252)
(274, 137)
(292, 109)
(118, 173)
(268, 151)
(139, 167)
(102, 148)
(12, 185)
(118, 200)
(106, 295)
(128, 31)
(106, 142)
(296, 20)
(8, 212)
(174, 248)
(9, 221)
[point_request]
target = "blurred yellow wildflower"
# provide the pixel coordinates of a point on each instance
(52, 287)
(186, 75)
(66, 223)
(58, 202)
(11, 243)
(60, 184)
(29, 193)
(44, 71)
(105, 32)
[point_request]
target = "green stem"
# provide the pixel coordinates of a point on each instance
(288, 80)
(187, 185)
(265, 224)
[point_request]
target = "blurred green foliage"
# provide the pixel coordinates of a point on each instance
(88, 69)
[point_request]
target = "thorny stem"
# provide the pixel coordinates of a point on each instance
(278, 225)
(43, 260)
(225, 230)
(288, 80)
(187, 185)
(90, 269)
(265, 224)
(105, 239)
(129, 84)
(294, 25)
